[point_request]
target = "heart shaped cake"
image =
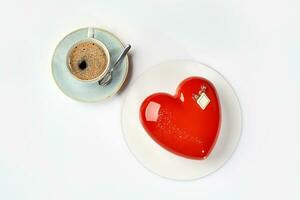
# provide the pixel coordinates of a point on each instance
(186, 123)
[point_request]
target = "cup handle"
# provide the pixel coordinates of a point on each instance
(91, 32)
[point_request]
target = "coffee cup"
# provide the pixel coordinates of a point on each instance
(88, 60)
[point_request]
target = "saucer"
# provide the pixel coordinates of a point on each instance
(88, 92)
(165, 77)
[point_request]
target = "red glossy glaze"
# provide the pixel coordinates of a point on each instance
(178, 123)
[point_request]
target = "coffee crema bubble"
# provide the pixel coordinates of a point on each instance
(87, 60)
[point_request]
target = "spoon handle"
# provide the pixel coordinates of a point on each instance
(120, 58)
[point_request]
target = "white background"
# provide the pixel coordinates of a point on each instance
(52, 147)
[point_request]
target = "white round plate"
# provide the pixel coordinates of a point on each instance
(165, 78)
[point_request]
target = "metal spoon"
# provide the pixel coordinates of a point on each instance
(108, 77)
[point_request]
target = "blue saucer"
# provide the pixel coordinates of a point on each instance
(88, 92)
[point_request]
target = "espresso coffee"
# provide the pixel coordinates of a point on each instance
(87, 60)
